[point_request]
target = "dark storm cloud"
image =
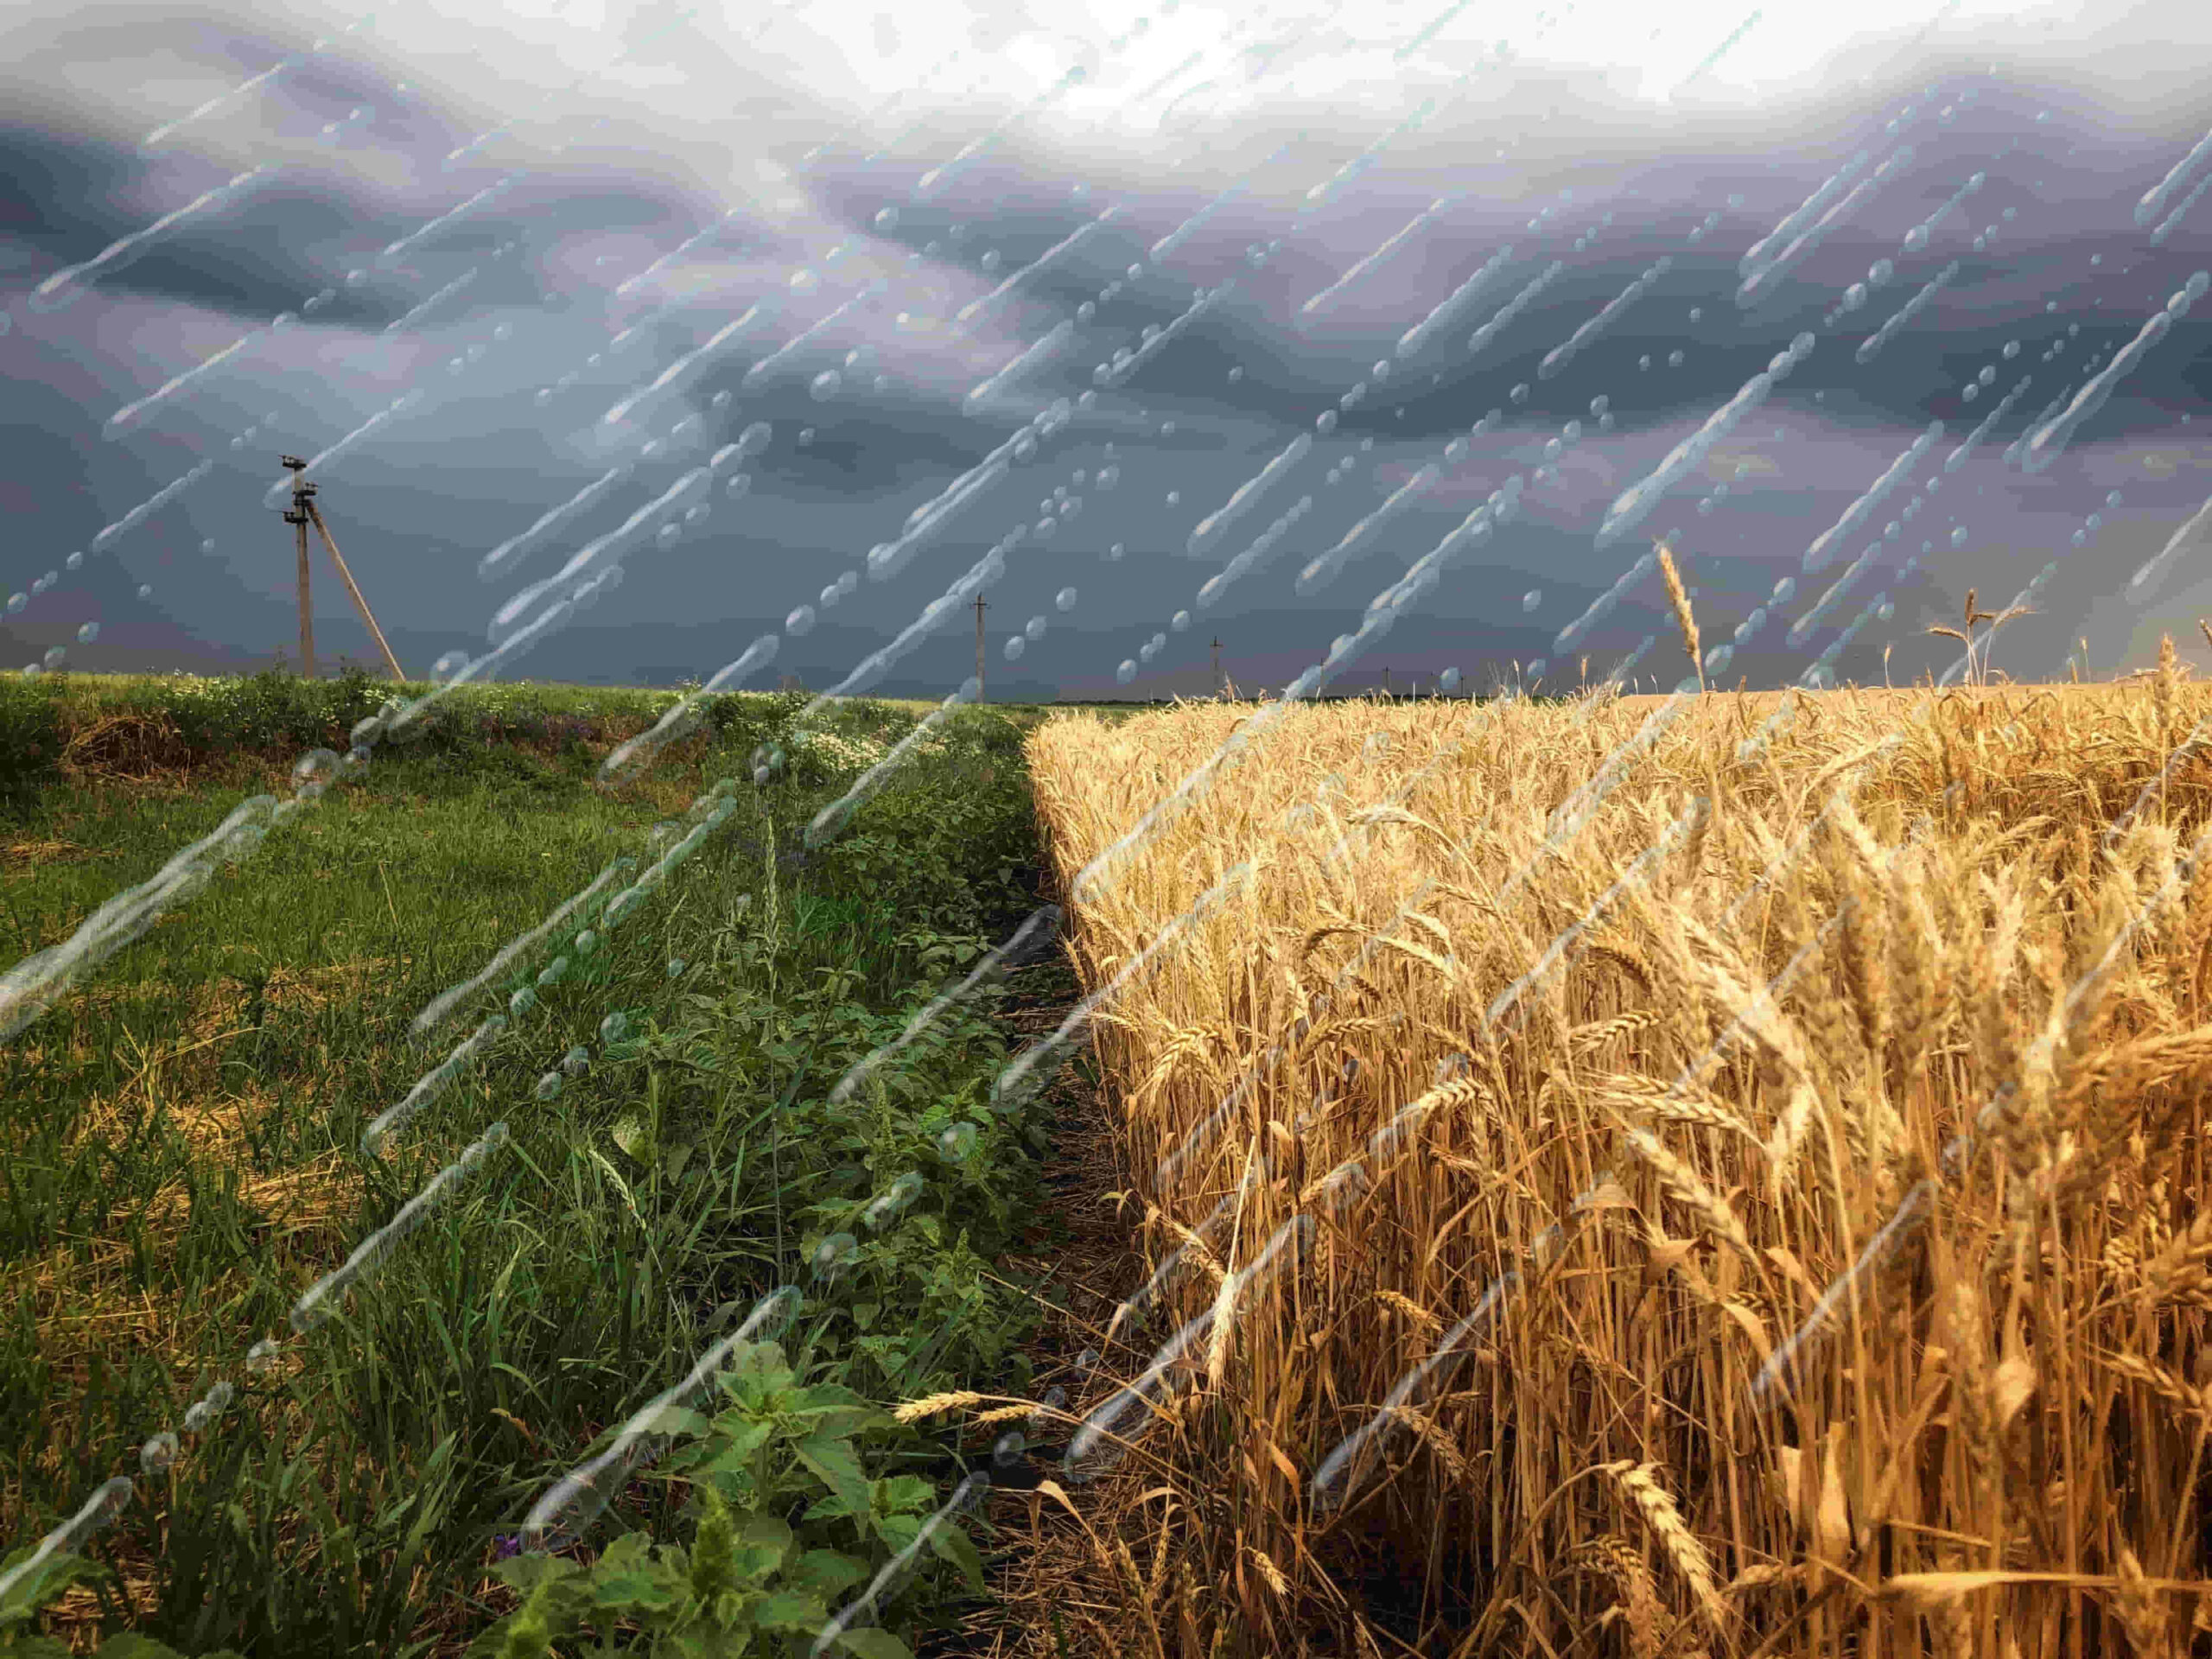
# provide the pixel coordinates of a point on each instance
(461, 385)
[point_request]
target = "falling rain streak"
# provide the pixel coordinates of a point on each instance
(2048, 436)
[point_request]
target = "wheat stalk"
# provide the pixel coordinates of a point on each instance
(936, 1405)
(1679, 597)
(1640, 1481)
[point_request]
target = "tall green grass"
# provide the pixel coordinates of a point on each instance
(182, 1134)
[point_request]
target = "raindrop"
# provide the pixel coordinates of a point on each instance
(804, 282)
(826, 385)
(89, 632)
(834, 1254)
(548, 1086)
(145, 591)
(614, 1026)
(158, 1454)
(1066, 598)
(1530, 600)
(957, 1142)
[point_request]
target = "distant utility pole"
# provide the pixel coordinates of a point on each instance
(298, 518)
(304, 512)
(1386, 683)
(1217, 681)
(979, 647)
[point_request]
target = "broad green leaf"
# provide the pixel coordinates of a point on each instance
(952, 1544)
(825, 1572)
(630, 1135)
(825, 1396)
(906, 1492)
(831, 1506)
(674, 1419)
(631, 1549)
(899, 1530)
(767, 1532)
(526, 1573)
(703, 1642)
(872, 1643)
(790, 1610)
(834, 1462)
(737, 1432)
(635, 1589)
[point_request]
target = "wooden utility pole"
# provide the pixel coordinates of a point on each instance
(304, 512)
(979, 647)
(298, 519)
(1219, 684)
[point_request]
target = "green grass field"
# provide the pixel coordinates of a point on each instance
(183, 1150)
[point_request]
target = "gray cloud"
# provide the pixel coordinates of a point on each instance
(511, 341)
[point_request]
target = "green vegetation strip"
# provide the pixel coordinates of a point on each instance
(181, 1160)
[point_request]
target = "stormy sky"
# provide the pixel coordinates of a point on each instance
(1152, 325)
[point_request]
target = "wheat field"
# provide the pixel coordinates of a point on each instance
(1672, 1317)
